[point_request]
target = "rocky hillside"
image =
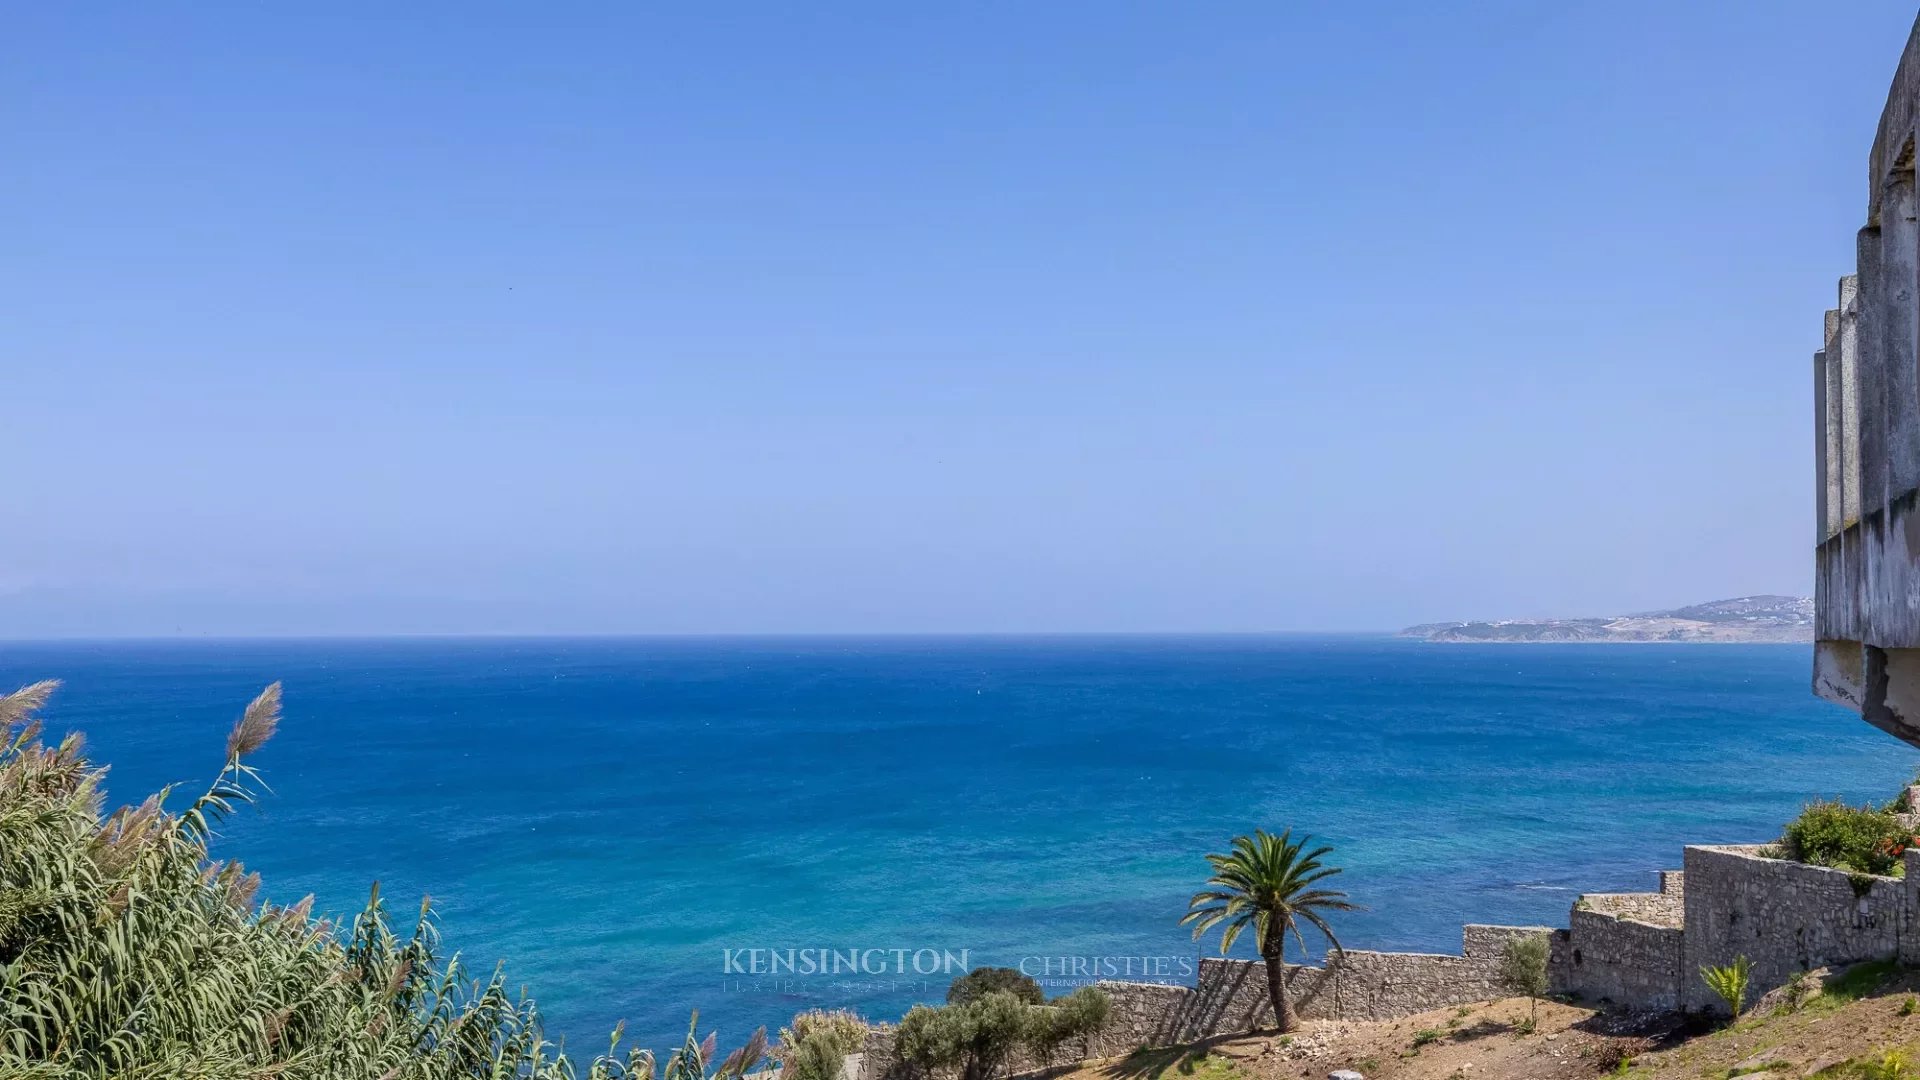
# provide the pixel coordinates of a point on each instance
(1742, 619)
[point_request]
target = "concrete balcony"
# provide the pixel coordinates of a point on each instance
(1867, 446)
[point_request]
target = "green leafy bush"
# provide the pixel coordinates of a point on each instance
(979, 1035)
(930, 1038)
(985, 980)
(1076, 1016)
(817, 1042)
(976, 1037)
(125, 952)
(1523, 969)
(1863, 839)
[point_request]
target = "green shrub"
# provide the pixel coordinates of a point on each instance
(930, 1038)
(979, 1035)
(1076, 1016)
(1730, 982)
(985, 980)
(125, 952)
(1523, 969)
(1426, 1035)
(1797, 992)
(1831, 833)
(817, 1042)
(971, 1037)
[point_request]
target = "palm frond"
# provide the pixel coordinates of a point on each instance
(1266, 881)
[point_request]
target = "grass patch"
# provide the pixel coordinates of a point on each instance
(1204, 1065)
(1765, 1066)
(1886, 1065)
(1425, 1036)
(1156, 1063)
(1856, 982)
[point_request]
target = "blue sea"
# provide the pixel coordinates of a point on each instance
(622, 821)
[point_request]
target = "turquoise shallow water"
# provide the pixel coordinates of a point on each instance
(612, 816)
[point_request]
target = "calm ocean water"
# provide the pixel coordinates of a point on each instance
(611, 816)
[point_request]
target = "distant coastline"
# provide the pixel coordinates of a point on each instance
(1741, 620)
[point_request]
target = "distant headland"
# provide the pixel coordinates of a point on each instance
(1742, 619)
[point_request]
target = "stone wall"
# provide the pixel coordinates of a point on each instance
(1385, 986)
(1615, 959)
(1230, 996)
(1624, 948)
(1785, 917)
(1632, 950)
(1656, 909)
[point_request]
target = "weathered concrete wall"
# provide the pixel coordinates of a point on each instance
(1867, 445)
(1785, 917)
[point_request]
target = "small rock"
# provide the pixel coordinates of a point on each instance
(1344, 1074)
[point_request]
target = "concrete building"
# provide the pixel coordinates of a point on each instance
(1867, 445)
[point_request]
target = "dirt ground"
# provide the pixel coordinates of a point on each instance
(1841, 1028)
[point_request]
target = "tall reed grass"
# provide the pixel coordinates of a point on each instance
(126, 951)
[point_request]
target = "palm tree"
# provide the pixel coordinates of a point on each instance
(1267, 882)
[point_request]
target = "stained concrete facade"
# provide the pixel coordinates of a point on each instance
(1866, 395)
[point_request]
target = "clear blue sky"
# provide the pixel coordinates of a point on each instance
(995, 317)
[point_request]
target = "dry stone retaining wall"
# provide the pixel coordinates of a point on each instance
(1785, 917)
(1645, 950)
(1614, 959)
(1624, 948)
(1230, 996)
(1634, 950)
